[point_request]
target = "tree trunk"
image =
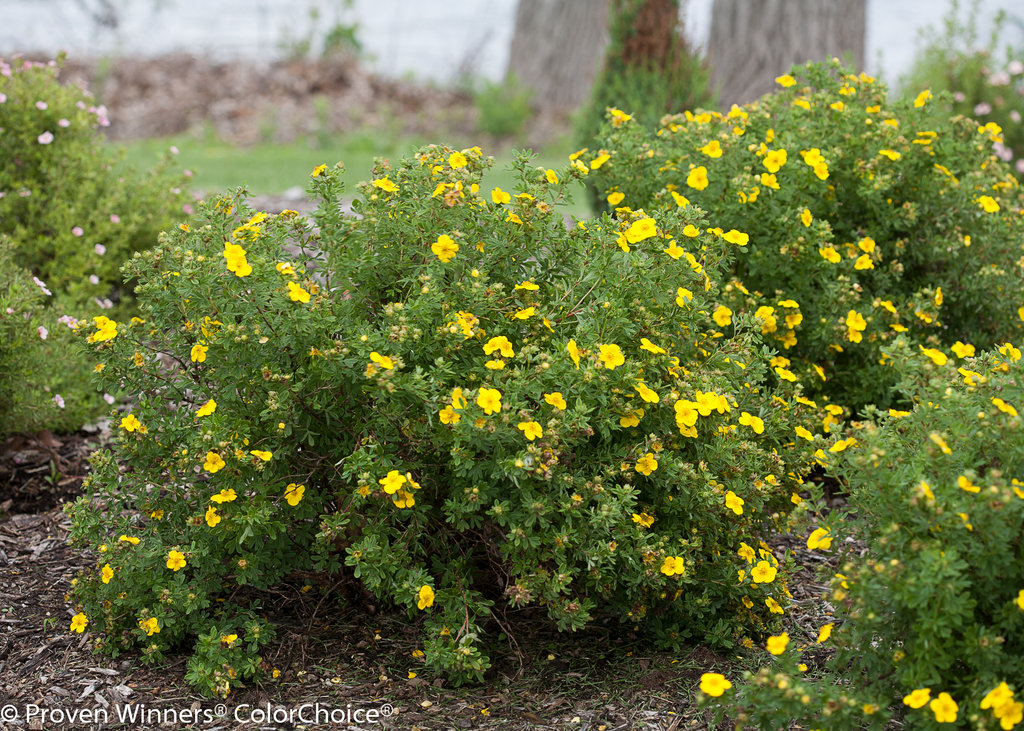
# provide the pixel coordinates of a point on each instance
(557, 49)
(753, 41)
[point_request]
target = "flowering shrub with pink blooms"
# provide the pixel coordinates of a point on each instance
(73, 214)
(451, 400)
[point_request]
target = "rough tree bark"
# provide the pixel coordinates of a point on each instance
(557, 49)
(753, 41)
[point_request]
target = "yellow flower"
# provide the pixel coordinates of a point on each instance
(130, 423)
(864, 262)
(943, 706)
(198, 352)
(296, 293)
(646, 464)
(1004, 407)
(129, 539)
(392, 481)
(262, 454)
(940, 443)
(734, 502)
(774, 160)
(785, 81)
(698, 178)
(643, 519)
(449, 415)
(551, 176)
(963, 350)
(489, 399)
(819, 538)
(600, 160)
(650, 347)
(385, 184)
(457, 160)
(213, 463)
(722, 316)
(500, 344)
(79, 623)
(208, 408)
(527, 285)
(500, 197)
(825, 632)
(525, 314)
(842, 444)
(673, 566)
(530, 429)
(425, 597)
(611, 356)
(917, 698)
(922, 98)
(712, 149)
(776, 645)
(555, 399)
(645, 228)
(574, 352)
(965, 484)
(615, 198)
(647, 394)
(829, 254)
(318, 171)
(988, 203)
(444, 248)
(211, 516)
(773, 606)
(804, 433)
(763, 573)
(382, 360)
(403, 499)
(225, 496)
(234, 255)
(175, 560)
(736, 237)
(754, 422)
(937, 356)
(293, 493)
(107, 573)
(1020, 598)
(891, 154)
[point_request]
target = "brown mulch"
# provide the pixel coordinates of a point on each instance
(247, 102)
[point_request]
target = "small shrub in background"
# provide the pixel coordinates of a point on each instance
(503, 108)
(929, 616)
(648, 71)
(985, 81)
(469, 407)
(33, 393)
(72, 216)
(866, 219)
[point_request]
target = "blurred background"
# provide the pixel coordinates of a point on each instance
(257, 91)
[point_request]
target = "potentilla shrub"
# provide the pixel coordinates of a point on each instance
(73, 213)
(929, 606)
(467, 405)
(868, 219)
(32, 339)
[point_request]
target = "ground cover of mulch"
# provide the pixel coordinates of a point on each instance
(333, 647)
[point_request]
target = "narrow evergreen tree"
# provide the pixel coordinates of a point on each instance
(649, 70)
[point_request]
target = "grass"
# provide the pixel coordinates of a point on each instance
(269, 168)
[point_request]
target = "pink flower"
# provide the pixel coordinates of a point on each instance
(999, 79)
(174, 149)
(39, 283)
(3, 98)
(80, 104)
(100, 249)
(982, 109)
(114, 218)
(77, 230)
(1015, 116)
(43, 332)
(1020, 166)
(41, 105)
(59, 400)
(45, 138)
(93, 279)
(1015, 67)
(63, 123)
(67, 320)
(187, 208)
(108, 398)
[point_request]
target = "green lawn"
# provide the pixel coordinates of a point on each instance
(274, 168)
